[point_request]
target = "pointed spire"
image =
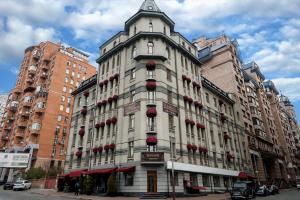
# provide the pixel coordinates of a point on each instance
(149, 5)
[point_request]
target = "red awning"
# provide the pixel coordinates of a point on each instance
(243, 175)
(126, 169)
(77, 173)
(65, 175)
(101, 171)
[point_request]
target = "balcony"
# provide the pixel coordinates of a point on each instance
(258, 127)
(32, 70)
(45, 67)
(29, 88)
(22, 123)
(152, 158)
(34, 131)
(25, 113)
(4, 137)
(29, 80)
(13, 107)
(151, 129)
(44, 75)
(39, 110)
(20, 135)
(27, 103)
(8, 127)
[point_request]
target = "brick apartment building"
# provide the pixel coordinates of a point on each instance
(38, 111)
(259, 108)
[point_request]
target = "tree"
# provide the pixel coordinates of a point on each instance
(111, 185)
(88, 185)
(35, 173)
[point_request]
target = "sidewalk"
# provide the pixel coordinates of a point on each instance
(53, 193)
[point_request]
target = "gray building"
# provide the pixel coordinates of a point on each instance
(149, 112)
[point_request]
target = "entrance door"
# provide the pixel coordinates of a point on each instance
(151, 181)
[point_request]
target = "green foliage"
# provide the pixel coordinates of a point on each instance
(81, 182)
(35, 173)
(88, 185)
(111, 184)
(54, 171)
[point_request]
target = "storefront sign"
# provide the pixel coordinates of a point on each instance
(152, 157)
(169, 108)
(14, 160)
(132, 108)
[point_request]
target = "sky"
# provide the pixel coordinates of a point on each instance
(268, 31)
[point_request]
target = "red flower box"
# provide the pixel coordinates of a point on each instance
(97, 126)
(187, 121)
(194, 84)
(222, 117)
(86, 93)
(151, 140)
(150, 65)
(84, 110)
(102, 124)
(100, 149)
(101, 84)
(226, 136)
(185, 98)
(111, 78)
(205, 150)
(112, 146)
(151, 85)
(108, 121)
(192, 122)
(184, 77)
(194, 147)
(99, 104)
(188, 79)
(78, 154)
(114, 120)
(115, 97)
(189, 146)
(190, 99)
(199, 125)
(151, 112)
(110, 99)
(95, 150)
(116, 76)
(105, 82)
(106, 147)
(104, 102)
(81, 132)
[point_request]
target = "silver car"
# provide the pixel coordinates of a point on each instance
(22, 185)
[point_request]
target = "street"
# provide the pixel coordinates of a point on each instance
(35, 194)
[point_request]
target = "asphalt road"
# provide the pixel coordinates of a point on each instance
(284, 195)
(25, 195)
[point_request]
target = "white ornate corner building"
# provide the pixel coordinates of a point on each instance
(149, 111)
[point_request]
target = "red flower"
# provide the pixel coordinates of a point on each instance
(110, 99)
(194, 147)
(86, 93)
(184, 77)
(192, 122)
(151, 112)
(81, 132)
(101, 84)
(100, 149)
(115, 97)
(150, 65)
(190, 99)
(189, 146)
(116, 76)
(108, 121)
(151, 140)
(188, 79)
(114, 120)
(111, 78)
(112, 146)
(102, 124)
(84, 110)
(95, 150)
(78, 154)
(106, 147)
(199, 125)
(97, 126)
(105, 82)
(185, 98)
(99, 104)
(104, 102)
(187, 121)
(151, 85)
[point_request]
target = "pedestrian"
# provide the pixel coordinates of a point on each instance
(76, 188)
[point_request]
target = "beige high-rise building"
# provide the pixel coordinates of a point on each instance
(151, 112)
(38, 111)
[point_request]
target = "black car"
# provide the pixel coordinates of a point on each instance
(8, 186)
(273, 189)
(243, 190)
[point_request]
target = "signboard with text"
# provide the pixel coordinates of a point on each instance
(132, 108)
(170, 109)
(14, 160)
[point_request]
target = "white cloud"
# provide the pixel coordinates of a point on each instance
(289, 87)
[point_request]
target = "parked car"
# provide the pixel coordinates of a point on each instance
(8, 186)
(243, 190)
(273, 189)
(262, 190)
(298, 182)
(2, 182)
(22, 185)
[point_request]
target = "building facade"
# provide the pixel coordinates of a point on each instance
(38, 110)
(3, 100)
(149, 112)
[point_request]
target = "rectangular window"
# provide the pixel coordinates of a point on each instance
(64, 89)
(132, 95)
(67, 71)
(131, 121)
(207, 97)
(169, 75)
(130, 149)
(68, 110)
(132, 73)
(170, 96)
(128, 179)
(206, 181)
(61, 107)
(59, 117)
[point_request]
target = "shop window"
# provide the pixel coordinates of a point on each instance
(205, 179)
(216, 180)
(128, 179)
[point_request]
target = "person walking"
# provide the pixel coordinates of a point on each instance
(77, 187)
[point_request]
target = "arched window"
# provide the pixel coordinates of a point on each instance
(150, 27)
(133, 53)
(168, 53)
(150, 47)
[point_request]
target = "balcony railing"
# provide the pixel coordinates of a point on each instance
(151, 128)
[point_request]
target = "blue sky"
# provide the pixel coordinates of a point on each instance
(268, 31)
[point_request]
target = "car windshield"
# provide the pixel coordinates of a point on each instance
(19, 182)
(239, 185)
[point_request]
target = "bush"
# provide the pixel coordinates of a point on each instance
(111, 185)
(88, 185)
(35, 173)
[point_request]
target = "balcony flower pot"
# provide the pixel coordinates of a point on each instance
(200, 126)
(81, 132)
(112, 146)
(86, 93)
(99, 104)
(95, 150)
(100, 149)
(151, 112)
(84, 110)
(78, 154)
(151, 65)
(101, 84)
(189, 146)
(114, 120)
(102, 124)
(151, 140)
(108, 122)
(115, 97)
(116, 76)
(97, 126)
(110, 99)
(105, 82)
(194, 147)
(106, 147)
(151, 85)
